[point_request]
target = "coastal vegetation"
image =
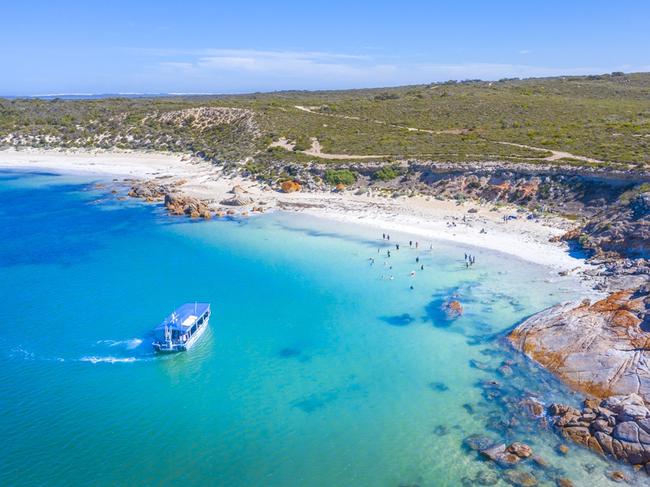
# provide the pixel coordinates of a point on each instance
(339, 176)
(599, 120)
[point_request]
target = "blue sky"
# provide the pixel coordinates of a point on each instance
(229, 47)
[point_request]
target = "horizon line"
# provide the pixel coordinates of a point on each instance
(171, 93)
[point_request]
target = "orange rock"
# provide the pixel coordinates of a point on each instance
(453, 309)
(340, 188)
(456, 306)
(503, 187)
(290, 186)
(527, 190)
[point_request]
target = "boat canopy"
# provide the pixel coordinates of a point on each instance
(184, 317)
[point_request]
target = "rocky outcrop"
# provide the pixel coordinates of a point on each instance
(618, 427)
(185, 205)
(601, 348)
(507, 456)
(176, 204)
(238, 200)
(622, 229)
(149, 190)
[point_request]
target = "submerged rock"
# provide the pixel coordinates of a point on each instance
(520, 449)
(486, 477)
(563, 482)
(477, 364)
(439, 386)
(505, 456)
(618, 476)
(441, 430)
(562, 449)
(540, 462)
(520, 478)
(478, 442)
(453, 309)
(505, 370)
(531, 407)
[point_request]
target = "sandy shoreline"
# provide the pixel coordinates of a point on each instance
(428, 218)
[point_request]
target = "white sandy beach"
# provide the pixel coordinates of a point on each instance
(424, 218)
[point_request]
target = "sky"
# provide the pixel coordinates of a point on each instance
(195, 46)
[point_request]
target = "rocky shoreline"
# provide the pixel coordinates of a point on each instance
(618, 426)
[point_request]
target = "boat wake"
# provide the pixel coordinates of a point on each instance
(127, 344)
(110, 360)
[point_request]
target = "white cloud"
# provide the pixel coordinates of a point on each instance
(249, 69)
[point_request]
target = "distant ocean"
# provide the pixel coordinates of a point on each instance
(320, 367)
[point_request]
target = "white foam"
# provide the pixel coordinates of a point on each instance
(111, 360)
(128, 344)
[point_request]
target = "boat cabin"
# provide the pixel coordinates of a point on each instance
(180, 330)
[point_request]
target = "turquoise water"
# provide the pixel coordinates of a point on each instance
(317, 368)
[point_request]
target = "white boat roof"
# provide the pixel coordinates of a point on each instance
(189, 321)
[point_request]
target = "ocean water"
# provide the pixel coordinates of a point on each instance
(320, 367)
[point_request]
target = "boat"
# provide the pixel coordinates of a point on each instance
(182, 329)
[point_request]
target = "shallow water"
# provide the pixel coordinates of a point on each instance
(317, 368)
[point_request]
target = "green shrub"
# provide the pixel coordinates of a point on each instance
(339, 176)
(386, 173)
